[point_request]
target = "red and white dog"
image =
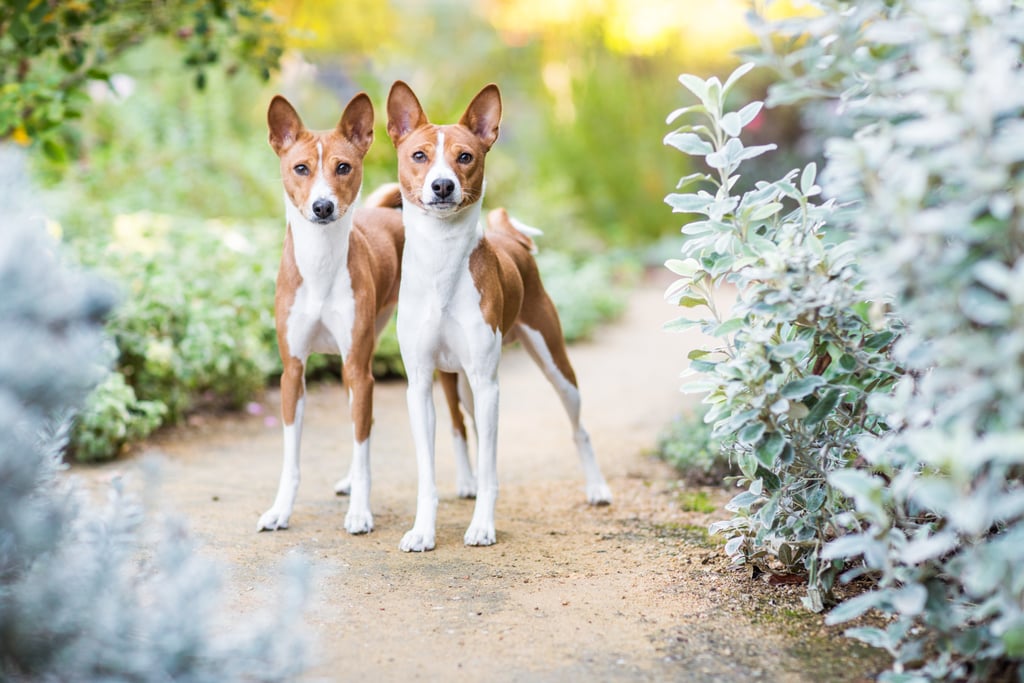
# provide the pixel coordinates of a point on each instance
(336, 288)
(463, 294)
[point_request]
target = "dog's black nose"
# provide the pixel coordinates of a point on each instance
(443, 187)
(323, 208)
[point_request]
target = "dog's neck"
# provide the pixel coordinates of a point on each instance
(437, 250)
(321, 249)
(443, 239)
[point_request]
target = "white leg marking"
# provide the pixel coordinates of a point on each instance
(277, 516)
(597, 489)
(465, 482)
(343, 486)
(359, 519)
(422, 420)
(485, 417)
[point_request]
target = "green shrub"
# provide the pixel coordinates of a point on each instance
(111, 418)
(584, 291)
(919, 438)
(688, 444)
(798, 354)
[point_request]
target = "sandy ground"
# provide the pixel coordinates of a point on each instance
(630, 592)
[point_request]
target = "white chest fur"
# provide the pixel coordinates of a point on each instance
(323, 313)
(440, 324)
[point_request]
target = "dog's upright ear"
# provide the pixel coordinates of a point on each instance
(356, 123)
(404, 112)
(484, 114)
(284, 123)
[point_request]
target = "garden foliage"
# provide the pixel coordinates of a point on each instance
(921, 443)
(51, 50)
(798, 356)
(93, 591)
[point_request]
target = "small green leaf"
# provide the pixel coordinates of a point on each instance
(728, 327)
(1013, 641)
(788, 350)
(736, 75)
(799, 388)
(751, 433)
(770, 448)
(765, 211)
(695, 85)
(689, 203)
(685, 268)
(688, 143)
(684, 110)
(692, 301)
(680, 324)
(54, 151)
(823, 408)
(807, 178)
(731, 124)
(853, 608)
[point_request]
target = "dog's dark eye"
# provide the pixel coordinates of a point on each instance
(464, 158)
(301, 169)
(343, 169)
(419, 157)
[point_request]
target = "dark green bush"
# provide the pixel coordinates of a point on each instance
(688, 444)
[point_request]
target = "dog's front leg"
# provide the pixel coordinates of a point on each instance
(293, 385)
(422, 421)
(485, 406)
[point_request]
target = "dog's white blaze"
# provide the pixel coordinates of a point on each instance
(321, 187)
(438, 170)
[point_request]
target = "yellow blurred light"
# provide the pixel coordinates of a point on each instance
(20, 136)
(336, 25)
(141, 232)
(54, 229)
(701, 30)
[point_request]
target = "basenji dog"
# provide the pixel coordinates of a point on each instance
(336, 287)
(464, 293)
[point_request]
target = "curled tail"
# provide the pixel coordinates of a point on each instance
(387, 196)
(498, 220)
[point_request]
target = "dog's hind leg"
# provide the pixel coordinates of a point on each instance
(548, 351)
(456, 391)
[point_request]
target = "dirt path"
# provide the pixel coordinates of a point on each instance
(630, 592)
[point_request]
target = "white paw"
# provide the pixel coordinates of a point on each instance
(343, 486)
(273, 519)
(599, 494)
(466, 488)
(417, 542)
(480, 535)
(359, 521)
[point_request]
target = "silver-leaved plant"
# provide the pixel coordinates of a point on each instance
(925, 180)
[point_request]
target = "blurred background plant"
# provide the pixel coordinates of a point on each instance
(93, 591)
(171, 190)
